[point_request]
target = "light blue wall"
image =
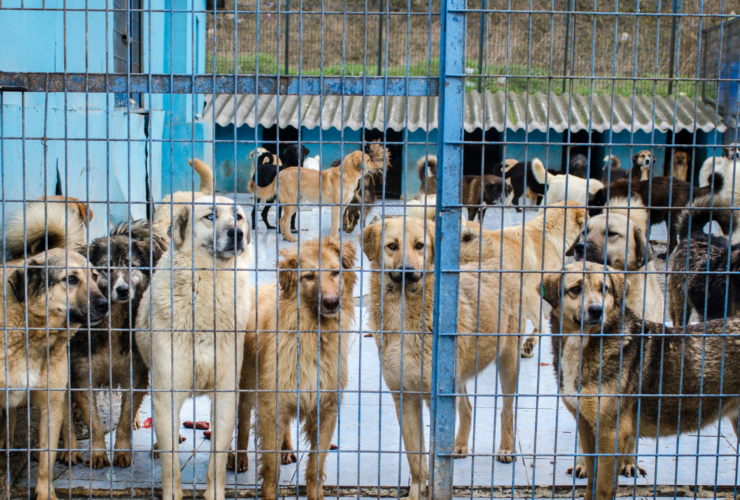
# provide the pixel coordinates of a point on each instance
(550, 154)
(618, 144)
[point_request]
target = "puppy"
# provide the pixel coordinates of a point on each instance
(660, 195)
(401, 300)
(523, 180)
(335, 186)
(426, 167)
(613, 171)
(670, 361)
(478, 190)
(171, 204)
(49, 294)
(319, 305)
(564, 187)
(642, 162)
(723, 166)
(523, 249)
(715, 282)
(680, 165)
(105, 355)
(201, 316)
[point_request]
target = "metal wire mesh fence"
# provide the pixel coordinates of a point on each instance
(469, 249)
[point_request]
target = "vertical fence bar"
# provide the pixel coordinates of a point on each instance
(447, 238)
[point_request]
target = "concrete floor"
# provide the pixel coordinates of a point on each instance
(368, 434)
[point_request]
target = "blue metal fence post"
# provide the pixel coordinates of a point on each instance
(447, 237)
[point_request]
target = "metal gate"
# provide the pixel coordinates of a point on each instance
(103, 105)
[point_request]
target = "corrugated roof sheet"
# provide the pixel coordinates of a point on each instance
(489, 110)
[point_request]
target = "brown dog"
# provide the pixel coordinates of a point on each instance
(335, 186)
(695, 360)
(320, 305)
(680, 165)
(401, 300)
(481, 190)
(642, 162)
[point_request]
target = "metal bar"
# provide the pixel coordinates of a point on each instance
(673, 49)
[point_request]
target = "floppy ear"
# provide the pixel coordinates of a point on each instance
(430, 242)
(17, 281)
(620, 288)
(349, 254)
(551, 289)
(635, 158)
(179, 227)
(85, 213)
(371, 240)
(641, 256)
(287, 271)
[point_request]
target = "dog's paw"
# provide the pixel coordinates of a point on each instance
(461, 449)
(633, 470)
(528, 347)
(415, 493)
(241, 463)
(122, 459)
(288, 458)
(505, 456)
(71, 458)
(98, 460)
(580, 471)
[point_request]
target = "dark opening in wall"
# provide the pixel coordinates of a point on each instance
(685, 143)
(394, 174)
(479, 159)
(580, 146)
(274, 142)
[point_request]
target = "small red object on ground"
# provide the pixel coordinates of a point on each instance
(207, 434)
(333, 447)
(200, 425)
(147, 423)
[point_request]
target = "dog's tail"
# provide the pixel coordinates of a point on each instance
(705, 209)
(48, 225)
(206, 176)
(380, 156)
(426, 166)
(613, 161)
(539, 171)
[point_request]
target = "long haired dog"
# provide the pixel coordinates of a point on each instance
(699, 252)
(319, 304)
(125, 261)
(171, 204)
(50, 294)
(201, 317)
(598, 351)
(538, 245)
(426, 167)
(724, 166)
(401, 300)
(334, 186)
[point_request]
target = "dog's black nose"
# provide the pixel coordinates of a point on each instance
(330, 303)
(595, 311)
(646, 162)
(235, 233)
(122, 290)
(579, 251)
(101, 305)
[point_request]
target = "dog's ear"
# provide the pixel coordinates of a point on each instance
(85, 213)
(17, 281)
(620, 288)
(288, 270)
(572, 250)
(635, 157)
(551, 289)
(99, 251)
(179, 227)
(370, 240)
(349, 255)
(642, 256)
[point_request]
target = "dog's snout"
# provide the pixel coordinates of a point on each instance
(100, 305)
(406, 273)
(646, 161)
(235, 233)
(122, 290)
(330, 303)
(579, 250)
(595, 311)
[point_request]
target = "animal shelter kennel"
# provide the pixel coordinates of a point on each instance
(329, 248)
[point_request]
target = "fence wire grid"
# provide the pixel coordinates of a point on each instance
(354, 249)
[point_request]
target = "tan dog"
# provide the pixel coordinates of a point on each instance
(523, 250)
(334, 186)
(401, 300)
(680, 165)
(171, 204)
(601, 351)
(642, 162)
(200, 316)
(310, 301)
(47, 288)
(75, 205)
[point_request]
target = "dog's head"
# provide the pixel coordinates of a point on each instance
(216, 226)
(318, 281)
(731, 153)
(496, 190)
(404, 254)
(617, 241)
(359, 160)
(64, 282)
(294, 155)
(642, 161)
(583, 296)
(681, 161)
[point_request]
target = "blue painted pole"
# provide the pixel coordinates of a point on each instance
(447, 238)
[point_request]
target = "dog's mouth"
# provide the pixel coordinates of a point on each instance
(80, 317)
(587, 321)
(408, 276)
(329, 313)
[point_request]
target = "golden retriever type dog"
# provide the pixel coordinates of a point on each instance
(598, 351)
(524, 250)
(680, 165)
(401, 300)
(564, 187)
(200, 316)
(334, 186)
(46, 290)
(320, 305)
(171, 204)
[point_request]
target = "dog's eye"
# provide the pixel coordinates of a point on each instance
(72, 280)
(576, 290)
(419, 246)
(612, 234)
(392, 246)
(239, 217)
(308, 277)
(606, 289)
(334, 274)
(209, 217)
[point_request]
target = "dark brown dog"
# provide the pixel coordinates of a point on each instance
(483, 189)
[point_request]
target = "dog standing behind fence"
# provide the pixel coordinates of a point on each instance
(184, 312)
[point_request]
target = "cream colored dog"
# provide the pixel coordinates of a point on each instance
(562, 187)
(171, 204)
(185, 305)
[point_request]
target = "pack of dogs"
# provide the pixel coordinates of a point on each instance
(121, 310)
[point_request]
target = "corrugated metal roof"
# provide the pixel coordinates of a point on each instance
(523, 111)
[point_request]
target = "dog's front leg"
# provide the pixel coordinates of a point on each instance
(314, 471)
(336, 218)
(223, 412)
(122, 454)
(50, 405)
(507, 364)
(269, 443)
(607, 480)
(288, 212)
(413, 441)
(166, 412)
(71, 454)
(8, 419)
(588, 445)
(465, 415)
(89, 413)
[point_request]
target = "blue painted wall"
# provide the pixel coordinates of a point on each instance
(100, 152)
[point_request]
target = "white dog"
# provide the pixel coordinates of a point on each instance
(726, 165)
(562, 187)
(185, 306)
(312, 162)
